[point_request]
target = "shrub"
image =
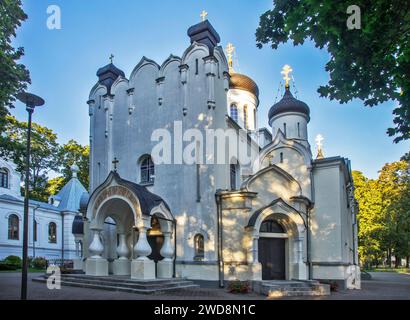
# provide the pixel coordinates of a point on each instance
(238, 286)
(7, 267)
(13, 260)
(39, 263)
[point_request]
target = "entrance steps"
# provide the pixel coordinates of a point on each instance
(122, 283)
(291, 288)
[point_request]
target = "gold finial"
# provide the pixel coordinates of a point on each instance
(319, 139)
(111, 57)
(285, 71)
(203, 15)
(229, 51)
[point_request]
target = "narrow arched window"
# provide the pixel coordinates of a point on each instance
(199, 246)
(147, 170)
(4, 178)
(35, 231)
(281, 157)
(14, 227)
(284, 129)
(233, 174)
(52, 232)
(234, 112)
(245, 117)
(196, 66)
(298, 129)
(254, 119)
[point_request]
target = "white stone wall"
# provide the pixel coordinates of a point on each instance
(43, 248)
(121, 126)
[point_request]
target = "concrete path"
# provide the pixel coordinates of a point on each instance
(384, 285)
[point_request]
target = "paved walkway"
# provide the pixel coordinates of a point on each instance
(384, 285)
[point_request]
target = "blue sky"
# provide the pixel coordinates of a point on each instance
(63, 64)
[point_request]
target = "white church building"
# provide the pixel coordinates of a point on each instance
(292, 218)
(50, 224)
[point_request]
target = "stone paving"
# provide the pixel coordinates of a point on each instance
(384, 285)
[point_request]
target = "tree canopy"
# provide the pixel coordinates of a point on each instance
(14, 76)
(371, 63)
(384, 214)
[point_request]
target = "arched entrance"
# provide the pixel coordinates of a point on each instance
(277, 243)
(130, 231)
(272, 249)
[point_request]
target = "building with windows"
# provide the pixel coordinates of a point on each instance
(284, 215)
(50, 224)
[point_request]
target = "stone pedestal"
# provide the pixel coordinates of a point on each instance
(165, 268)
(122, 267)
(96, 267)
(255, 271)
(78, 264)
(143, 269)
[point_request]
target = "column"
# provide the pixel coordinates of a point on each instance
(91, 107)
(141, 266)
(255, 267)
(300, 268)
(122, 265)
(210, 66)
(96, 265)
(166, 266)
(77, 261)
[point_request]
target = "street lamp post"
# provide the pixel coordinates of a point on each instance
(31, 101)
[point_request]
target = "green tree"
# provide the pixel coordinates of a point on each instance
(44, 153)
(371, 224)
(371, 63)
(70, 153)
(14, 76)
(394, 183)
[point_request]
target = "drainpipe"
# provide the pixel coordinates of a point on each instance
(219, 231)
(62, 240)
(175, 249)
(34, 230)
(308, 235)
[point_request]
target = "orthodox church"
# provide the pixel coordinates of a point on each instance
(292, 218)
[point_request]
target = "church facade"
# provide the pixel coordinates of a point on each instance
(50, 223)
(281, 215)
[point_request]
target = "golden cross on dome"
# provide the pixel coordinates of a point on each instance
(318, 140)
(285, 71)
(203, 15)
(111, 57)
(229, 51)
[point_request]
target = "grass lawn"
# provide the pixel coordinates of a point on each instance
(31, 270)
(398, 270)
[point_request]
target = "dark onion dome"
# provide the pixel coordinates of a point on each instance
(242, 82)
(108, 74)
(288, 104)
(78, 225)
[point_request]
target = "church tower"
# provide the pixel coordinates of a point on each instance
(290, 115)
(243, 96)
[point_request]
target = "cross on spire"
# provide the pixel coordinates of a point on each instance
(318, 140)
(229, 51)
(111, 57)
(203, 15)
(115, 162)
(285, 71)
